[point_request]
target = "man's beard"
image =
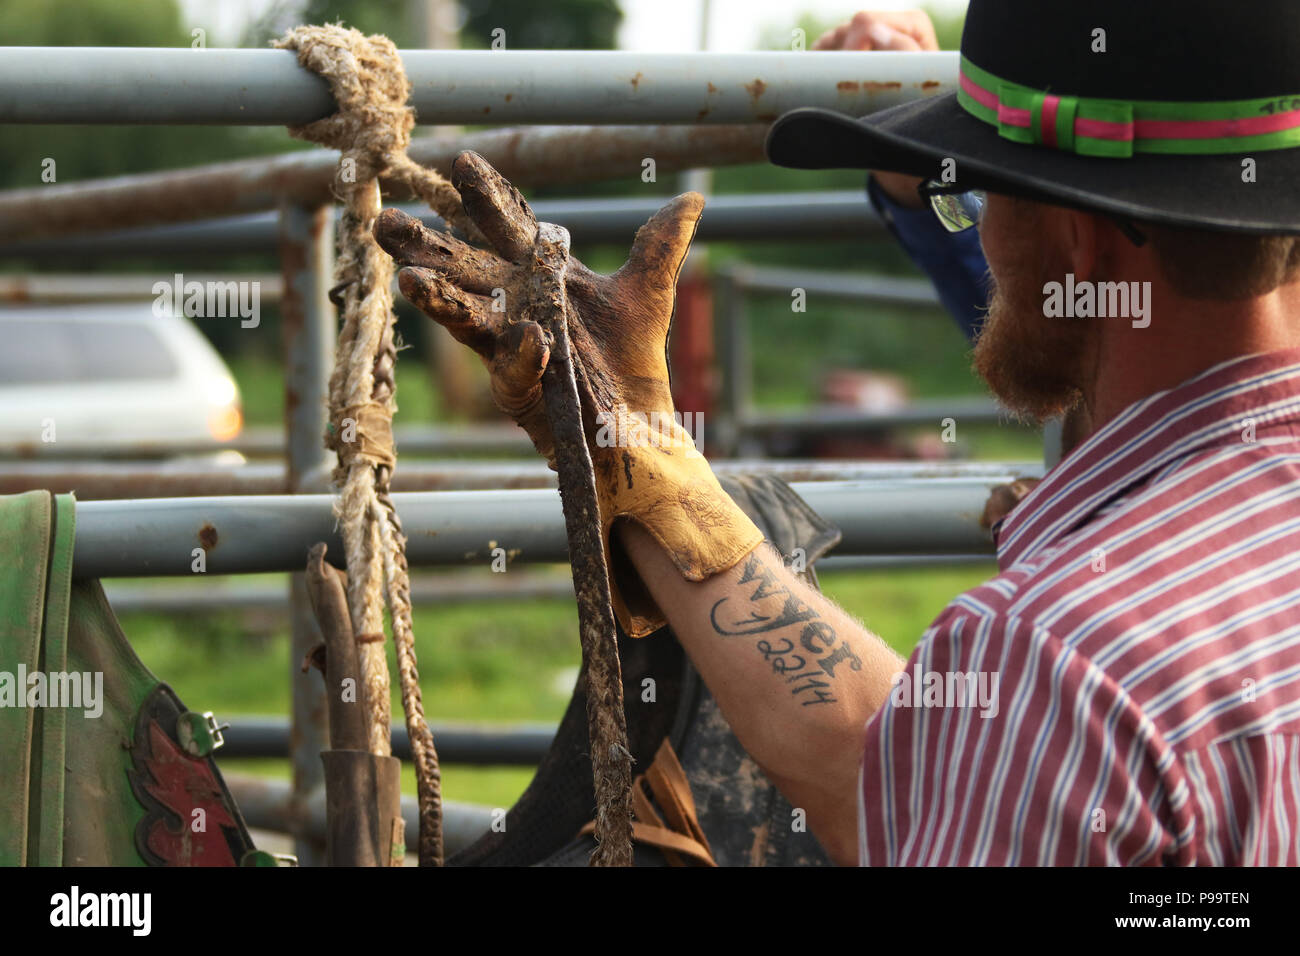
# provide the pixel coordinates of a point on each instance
(1034, 364)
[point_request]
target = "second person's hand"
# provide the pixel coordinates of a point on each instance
(886, 30)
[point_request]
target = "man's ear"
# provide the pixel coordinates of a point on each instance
(1079, 234)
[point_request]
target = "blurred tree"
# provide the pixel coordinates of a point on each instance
(393, 18)
(528, 25)
(87, 152)
(555, 25)
(84, 152)
(91, 23)
(947, 28)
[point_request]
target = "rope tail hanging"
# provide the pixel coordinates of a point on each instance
(371, 130)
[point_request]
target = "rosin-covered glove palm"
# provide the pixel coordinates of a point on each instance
(646, 465)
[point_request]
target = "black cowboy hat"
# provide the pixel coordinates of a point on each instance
(1158, 127)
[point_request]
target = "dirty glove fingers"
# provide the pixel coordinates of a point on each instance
(468, 317)
(411, 243)
(516, 381)
(496, 207)
(517, 367)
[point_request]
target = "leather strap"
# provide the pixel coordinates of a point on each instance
(670, 843)
(672, 790)
(681, 836)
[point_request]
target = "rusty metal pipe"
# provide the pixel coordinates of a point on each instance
(541, 156)
(306, 244)
(265, 805)
(267, 87)
(522, 745)
(749, 217)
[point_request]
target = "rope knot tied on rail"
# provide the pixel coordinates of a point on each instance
(372, 128)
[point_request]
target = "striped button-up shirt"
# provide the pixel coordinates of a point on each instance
(1127, 689)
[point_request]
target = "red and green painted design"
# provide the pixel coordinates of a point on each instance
(1119, 128)
(172, 785)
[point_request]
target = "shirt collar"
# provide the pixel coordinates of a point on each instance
(1208, 410)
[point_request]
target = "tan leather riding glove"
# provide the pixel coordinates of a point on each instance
(647, 467)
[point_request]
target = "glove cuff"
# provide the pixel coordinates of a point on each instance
(665, 485)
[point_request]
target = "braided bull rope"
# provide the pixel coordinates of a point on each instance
(372, 130)
(611, 762)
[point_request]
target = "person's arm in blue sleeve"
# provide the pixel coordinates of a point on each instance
(953, 261)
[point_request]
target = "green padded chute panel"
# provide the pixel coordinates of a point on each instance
(102, 779)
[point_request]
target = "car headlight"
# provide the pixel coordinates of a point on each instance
(226, 417)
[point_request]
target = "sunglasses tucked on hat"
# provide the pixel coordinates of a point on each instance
(1157, 127)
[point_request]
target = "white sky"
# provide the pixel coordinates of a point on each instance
(222, 19)
(734, 25)
(659, 25)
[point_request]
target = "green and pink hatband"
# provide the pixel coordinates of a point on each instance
(1119, 128)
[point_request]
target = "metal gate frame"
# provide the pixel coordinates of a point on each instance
(719, 105)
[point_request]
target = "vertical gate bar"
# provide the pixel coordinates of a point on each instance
(310, 328)
(306, 246)
(736, 370)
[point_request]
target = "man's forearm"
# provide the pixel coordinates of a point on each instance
(796, 677)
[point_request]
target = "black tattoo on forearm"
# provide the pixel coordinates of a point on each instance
(816, 637)
(793, 610)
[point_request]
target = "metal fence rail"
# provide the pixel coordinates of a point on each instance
(522, 745)
(838, 419)
(116, 480)
(741, 428)
(267, 597)
(269, 804)
(822, 215)
(267, 87)
(840, 286)
(540, 156)
(255, 533)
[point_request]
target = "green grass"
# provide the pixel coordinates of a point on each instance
(483, 662)
(488, 662)
(792, 350)
(261, 388)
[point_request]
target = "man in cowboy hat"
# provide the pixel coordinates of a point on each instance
(1127, 688)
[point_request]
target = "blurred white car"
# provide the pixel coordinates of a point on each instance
(112, 379)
